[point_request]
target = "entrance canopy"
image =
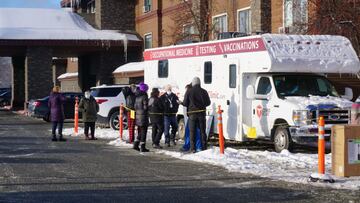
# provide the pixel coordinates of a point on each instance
(56, 27)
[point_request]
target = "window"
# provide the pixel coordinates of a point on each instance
(295, 12)
(91, 7)
(148, 41)
(147, 6)
(106, 92)
(163, 69)
(244, 21)
(208, 72)
(264, 86)
(232, 76)
(189, 29)
(220, 24)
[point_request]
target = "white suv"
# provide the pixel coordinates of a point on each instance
(109, 99)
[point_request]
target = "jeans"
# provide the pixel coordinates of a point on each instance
(90, 125)
(197, 120)
(170, 121)
(59, 125)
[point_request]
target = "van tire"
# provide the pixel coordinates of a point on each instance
(114, 121)
(282, 139)
(181, 128)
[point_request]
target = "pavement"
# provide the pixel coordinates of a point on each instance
(34, 169)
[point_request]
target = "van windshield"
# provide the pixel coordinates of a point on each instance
(303, 85)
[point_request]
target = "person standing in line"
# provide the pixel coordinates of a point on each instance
(196, 101)
(156, 117)
(89, 109)
(142, 117)
(170, 103)
(56, 106)
(130, 102)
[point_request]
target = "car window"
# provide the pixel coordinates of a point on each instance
(106, 92)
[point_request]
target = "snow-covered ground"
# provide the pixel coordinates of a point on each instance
(286, 166)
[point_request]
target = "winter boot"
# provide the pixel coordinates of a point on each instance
(61, 138)
(157, 146)
(136, 145)
(93, 137)
(87, 137)
(143, 149)
(54, 139)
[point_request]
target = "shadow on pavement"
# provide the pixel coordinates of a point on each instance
(173, 193)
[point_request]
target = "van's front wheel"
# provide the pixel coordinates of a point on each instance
(282, 139)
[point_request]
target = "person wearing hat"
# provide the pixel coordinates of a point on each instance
(56, 106)
(89, 109)
(170, 103)
(142, 117)
(196, 101)
(156, 117)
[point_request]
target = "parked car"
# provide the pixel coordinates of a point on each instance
(109, 99)
(39, 107)
(5, 98)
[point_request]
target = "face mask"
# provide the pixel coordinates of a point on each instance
(87, 95)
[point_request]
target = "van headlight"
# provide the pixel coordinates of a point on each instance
(301, 117)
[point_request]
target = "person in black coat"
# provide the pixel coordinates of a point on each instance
(142, 117)
(196, 100)
(170, 103)
(156, 117)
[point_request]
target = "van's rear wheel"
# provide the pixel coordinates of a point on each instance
(282, 139)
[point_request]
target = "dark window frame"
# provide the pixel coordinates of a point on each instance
(163, 71)
(232, 76)
(208, 72)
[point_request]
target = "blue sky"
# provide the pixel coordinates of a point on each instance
(30, 3)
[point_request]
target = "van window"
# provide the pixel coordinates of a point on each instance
(163, 69)
(208, 72)
(232, 76)
(264, 86)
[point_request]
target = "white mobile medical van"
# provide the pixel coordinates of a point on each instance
(270, 87)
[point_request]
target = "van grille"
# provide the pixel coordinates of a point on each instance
(333, 116)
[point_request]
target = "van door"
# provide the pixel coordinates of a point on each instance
(261, 108)
(225, 92)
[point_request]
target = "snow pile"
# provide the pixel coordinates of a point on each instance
(103, 133)
(311, 53)
(51, 24)
(67, 75)
(130, 67)
(283, 166)
(304, 102)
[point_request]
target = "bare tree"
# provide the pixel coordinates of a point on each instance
(335, 17)
(192, 21)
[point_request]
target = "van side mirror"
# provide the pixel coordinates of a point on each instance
(250, 92)
(348, 93)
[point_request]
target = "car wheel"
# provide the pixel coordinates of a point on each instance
(181, 129)
(114, 121)
(282, 139)
(46, 118)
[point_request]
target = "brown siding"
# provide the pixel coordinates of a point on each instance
(276, 15)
